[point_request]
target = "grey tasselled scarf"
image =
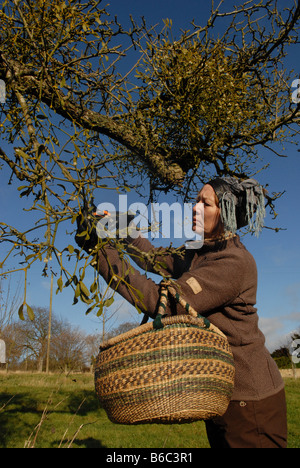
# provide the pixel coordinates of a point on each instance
(241, 203)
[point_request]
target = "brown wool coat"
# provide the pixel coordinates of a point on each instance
(219, 281)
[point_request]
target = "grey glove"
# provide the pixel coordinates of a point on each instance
(115, 225)
(93, 225)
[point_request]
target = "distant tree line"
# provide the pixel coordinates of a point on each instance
(71, 349)
(283, 354)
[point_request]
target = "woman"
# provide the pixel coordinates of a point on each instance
(219, 280)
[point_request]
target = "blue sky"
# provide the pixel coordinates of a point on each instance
(277, 254)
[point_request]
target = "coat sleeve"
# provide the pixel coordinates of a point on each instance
(209, 287)
(136, 288)
(213, 285)
(167, 261)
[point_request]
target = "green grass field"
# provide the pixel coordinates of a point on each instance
(53, 411)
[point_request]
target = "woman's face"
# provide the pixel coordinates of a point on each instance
(213, 226)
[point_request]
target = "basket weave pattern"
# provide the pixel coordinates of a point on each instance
(180, 373)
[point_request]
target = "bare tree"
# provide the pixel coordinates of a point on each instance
(68, 349)
(92, 343)
(27, 343)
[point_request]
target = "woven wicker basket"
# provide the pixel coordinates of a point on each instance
(179, 373)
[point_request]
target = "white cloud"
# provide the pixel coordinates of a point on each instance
(272, 328)
(278, 330)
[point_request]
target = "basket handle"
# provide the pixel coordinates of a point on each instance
(166, 287)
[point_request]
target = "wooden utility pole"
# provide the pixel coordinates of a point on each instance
(49, 325)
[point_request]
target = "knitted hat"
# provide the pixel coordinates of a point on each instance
(239, 201)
